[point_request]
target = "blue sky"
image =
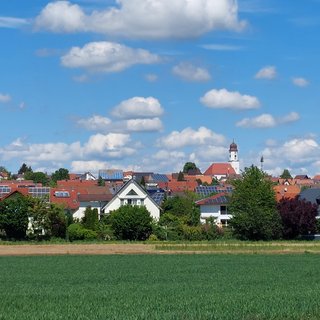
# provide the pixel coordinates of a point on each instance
(150, 85)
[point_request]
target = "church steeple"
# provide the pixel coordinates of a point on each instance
(233, 157)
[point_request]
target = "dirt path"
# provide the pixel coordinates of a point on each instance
(89, 249)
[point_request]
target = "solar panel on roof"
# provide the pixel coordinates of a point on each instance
(158, 197)
(111, 174)
(157, 177)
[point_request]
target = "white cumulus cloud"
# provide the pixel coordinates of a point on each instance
(138, 107)
(140, 125)
(267, 120)
(101, 143)
(268, 72)
(300, 82)
(62, 16)
(95, 123)
(92, 166)
(191, 137)
(224, 99)
(293, 152)
(190, 72)
(152, 19)
(107, 57)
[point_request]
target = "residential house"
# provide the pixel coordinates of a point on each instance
(286, 191)
(133, 194)
(94, 201)
(216, 207)
(4, 175)
(312, 195)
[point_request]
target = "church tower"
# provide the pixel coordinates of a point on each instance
(233, 157)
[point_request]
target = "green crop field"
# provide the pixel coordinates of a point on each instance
(160, 287)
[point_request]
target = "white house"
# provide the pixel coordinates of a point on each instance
(133, 194)
(215, 207)
(94, 201)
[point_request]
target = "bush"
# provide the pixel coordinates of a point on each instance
(153, 237)
(211, 231)
(131, 223)
(192, 233)
(77, 232)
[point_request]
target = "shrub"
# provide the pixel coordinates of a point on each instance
(192, 233)
(131, 223)
(77, 232)
(153, 237)
(211, 231)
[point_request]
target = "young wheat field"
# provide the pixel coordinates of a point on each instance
(173, 286)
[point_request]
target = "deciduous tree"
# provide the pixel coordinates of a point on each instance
(298, 217)
(131, 223)
(61, 174)
(189, 166)
(14, 216)
(253, 206)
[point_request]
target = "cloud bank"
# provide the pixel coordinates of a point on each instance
(142, 19)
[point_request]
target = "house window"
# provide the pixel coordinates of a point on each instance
(223, 210)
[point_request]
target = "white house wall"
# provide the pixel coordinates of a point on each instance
(122, 198)
(213, 211)
(79, 214)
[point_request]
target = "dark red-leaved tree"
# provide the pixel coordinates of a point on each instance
(298, 217)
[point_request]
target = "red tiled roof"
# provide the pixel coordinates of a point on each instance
(94, 197)
(22, 191)
(286, 191)
(207, 179)
(219, 169)
(178, 186)
(76, 183)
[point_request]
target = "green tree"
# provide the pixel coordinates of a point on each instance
(131, 223)
(24, 168)
(46, 220)
(183, 207)
(286, 174)
(61, 174)
(101, 182)
(189, 166)
(91, 219)
(37, 177)
(57, 221)
(14, 216)
(253, 207)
